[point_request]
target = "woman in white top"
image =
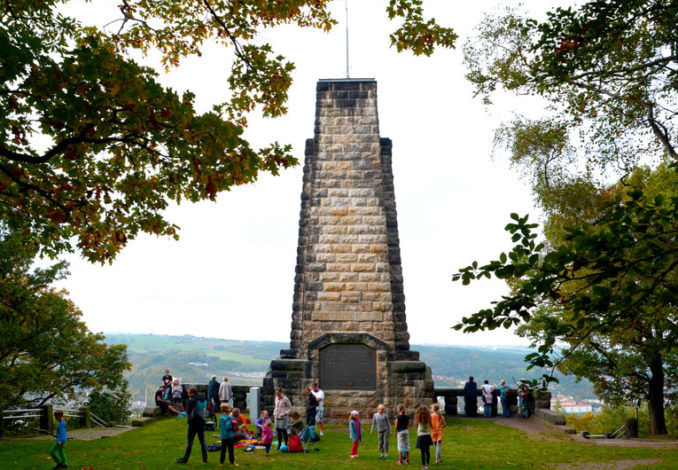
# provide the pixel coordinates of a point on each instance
(487, 390)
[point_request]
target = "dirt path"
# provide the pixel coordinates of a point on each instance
(616, 465)
(534, 428)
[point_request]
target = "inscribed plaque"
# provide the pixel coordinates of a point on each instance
(348, 367)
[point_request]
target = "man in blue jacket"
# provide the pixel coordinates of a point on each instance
(213, 395)
(471, 398)
(195, 412)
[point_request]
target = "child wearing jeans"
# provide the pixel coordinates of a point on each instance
(402, 423)
(437, 426)
(57, 449)
(380, 421)
(267, 435)
(354, 432)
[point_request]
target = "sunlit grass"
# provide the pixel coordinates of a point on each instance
(468, 443)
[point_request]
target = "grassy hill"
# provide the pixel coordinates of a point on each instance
(467, 443)
(195, 359)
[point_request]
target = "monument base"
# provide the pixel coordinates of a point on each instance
(356, 371)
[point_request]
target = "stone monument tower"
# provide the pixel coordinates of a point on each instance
(349, 331)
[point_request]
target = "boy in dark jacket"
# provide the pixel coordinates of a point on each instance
(196, 425)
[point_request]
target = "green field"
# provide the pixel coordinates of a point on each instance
(468, 443)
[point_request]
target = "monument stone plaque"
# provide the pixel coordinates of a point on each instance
(348, 367)
(349, 331)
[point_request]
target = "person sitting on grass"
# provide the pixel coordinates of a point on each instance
(243, 424)
(297, 423)
(241, 433)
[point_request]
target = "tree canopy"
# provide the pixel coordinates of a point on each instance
(608, 73)
(46, 351)
(93, 148)
(607, 291)
(603, 283)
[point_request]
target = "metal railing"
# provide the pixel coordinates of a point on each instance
(32, 413)
(98, 421)
(27, 413)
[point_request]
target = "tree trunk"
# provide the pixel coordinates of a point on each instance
(656, 397)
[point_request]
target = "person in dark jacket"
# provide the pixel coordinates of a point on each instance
(471, 398)
(311, 407)
(196, 425)
(213, 395)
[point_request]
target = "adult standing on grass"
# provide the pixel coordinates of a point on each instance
(311, 407)
(213, 394)
(471, 398)
(503, 396)
(57, 450)
(196, 425)
(280, 411)
(225, 392)
(320, 410)
(487, 390)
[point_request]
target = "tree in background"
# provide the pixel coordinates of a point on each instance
(111, 405)
(604, 282)
(607, 72)
(605, 290)
(93, 148)
(46, 352)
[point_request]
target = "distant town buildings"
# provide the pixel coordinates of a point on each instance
(569, 405)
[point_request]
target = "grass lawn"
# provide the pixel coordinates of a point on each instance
(468, 444)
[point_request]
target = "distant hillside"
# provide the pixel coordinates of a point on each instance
(195, 359)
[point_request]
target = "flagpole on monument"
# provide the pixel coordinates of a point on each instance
(346, 9)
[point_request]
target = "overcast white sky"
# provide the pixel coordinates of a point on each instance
(231, 274)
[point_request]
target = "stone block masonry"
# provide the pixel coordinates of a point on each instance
(348, 286)
(348, 263)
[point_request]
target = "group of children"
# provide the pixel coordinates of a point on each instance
(233, 429)
(230, 424)
(430, 425)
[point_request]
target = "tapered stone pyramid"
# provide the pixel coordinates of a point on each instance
(349, 330)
